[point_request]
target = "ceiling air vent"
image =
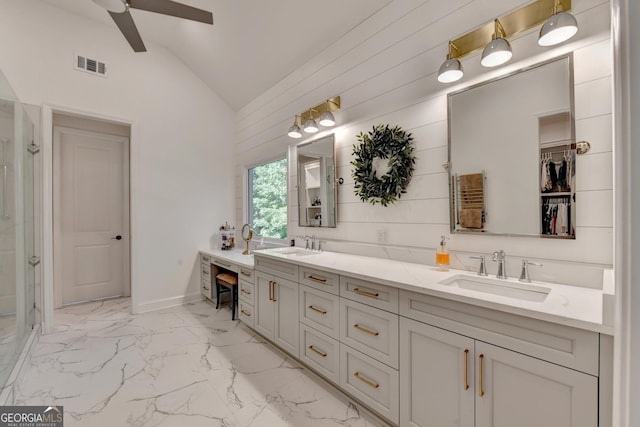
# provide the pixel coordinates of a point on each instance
(88, 65)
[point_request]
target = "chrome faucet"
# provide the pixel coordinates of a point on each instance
(482, 270)
(306, 241)
(498, 256)
(524, 274)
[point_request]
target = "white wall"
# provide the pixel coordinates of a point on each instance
(182, 136)
(385, 72)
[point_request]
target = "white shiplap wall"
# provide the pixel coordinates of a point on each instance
(385, 72)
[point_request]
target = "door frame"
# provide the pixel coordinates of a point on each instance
(47, 297)
(57, 209)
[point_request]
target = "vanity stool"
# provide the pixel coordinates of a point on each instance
(227, 282)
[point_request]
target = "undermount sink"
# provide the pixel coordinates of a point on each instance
(293, 251)
(517, 290)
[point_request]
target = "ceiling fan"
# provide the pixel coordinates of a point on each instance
(119, 11)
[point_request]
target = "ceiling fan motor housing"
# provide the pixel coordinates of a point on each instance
(116, 6)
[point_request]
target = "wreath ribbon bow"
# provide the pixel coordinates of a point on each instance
(391, 144)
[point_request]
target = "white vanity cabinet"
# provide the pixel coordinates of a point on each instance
(205, 276)
(276, 316)
(246, 296)
(421, 360)
(455, 379)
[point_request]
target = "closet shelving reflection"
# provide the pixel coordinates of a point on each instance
(557, 177)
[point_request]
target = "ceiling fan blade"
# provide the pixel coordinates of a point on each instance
(171, 8)
(128, 28)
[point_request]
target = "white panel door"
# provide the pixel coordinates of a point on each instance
(91, 223)
(518, 390)
(436, 377)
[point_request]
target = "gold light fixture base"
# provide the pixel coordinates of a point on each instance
(331, 105)
(513, 23)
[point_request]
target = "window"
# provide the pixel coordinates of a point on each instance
(268, 199)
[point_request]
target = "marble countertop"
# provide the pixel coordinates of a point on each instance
(234, 256)
(574, 306)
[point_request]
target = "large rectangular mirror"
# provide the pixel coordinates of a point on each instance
(317, 183)
(512, 154)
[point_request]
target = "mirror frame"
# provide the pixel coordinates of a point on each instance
(571, 80)
(301, 188)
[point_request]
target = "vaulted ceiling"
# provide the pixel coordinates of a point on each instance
(252, 45)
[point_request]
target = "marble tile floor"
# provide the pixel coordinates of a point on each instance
(186, 366)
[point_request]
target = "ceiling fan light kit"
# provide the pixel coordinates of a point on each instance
(121, 15)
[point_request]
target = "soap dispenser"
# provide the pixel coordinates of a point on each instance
(442, 254)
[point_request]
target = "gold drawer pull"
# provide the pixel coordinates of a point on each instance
(222, 263)
(244, 273)
(244, 291)
(365, 293)
(246, 313)
(365, 380)
(315, 350)
(466, 370)
(480, 363)
(317, 310)
(317, 279)
(365, 330)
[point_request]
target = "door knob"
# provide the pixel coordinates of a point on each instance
(118, 237)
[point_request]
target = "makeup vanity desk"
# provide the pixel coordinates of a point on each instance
(214, 262)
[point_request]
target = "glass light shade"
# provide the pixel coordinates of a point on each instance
(310, 126)
(497, 52)
(117, 6)
(559, 28)
(294, 131)
(327, 119)
(450, 71)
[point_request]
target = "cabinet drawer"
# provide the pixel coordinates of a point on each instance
(246, 292)
(205, 259)
(320, 310)
(206, 289)
(566, 346)
(381, 296)
(375, 383)
(320, 352)
(277, 268)
(245, 313)
(246, 274)
(224, 264)
(205, 272)
(328, 282)
(370, 330)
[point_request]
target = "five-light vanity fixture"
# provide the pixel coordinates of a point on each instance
(559, 26)
(323, 111)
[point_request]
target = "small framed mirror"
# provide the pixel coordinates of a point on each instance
(317, 183)
(247, 235)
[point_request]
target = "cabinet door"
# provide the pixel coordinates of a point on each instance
(436, 378)
(286, 315)
(519, 390)
(265, 307)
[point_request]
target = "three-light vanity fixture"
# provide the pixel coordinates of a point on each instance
(559, 26)
(323, 111)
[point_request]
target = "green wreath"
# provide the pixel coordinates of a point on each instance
(383, 143)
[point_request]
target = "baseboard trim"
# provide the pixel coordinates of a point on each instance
(167, 303)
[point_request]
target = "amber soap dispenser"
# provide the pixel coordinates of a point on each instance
(442, 254)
